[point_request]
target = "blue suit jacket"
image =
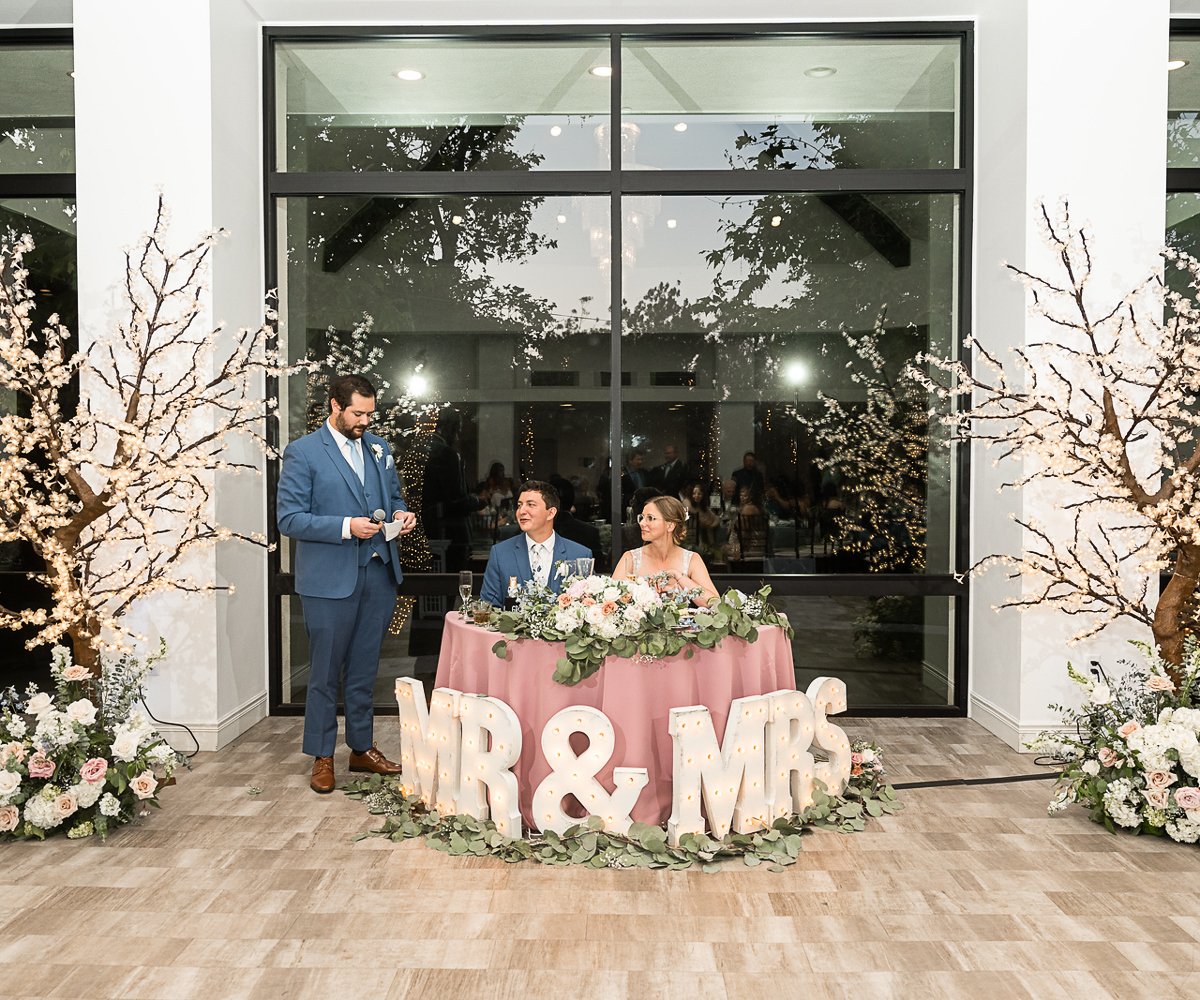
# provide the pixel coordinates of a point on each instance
(317, 491)
(511, 558)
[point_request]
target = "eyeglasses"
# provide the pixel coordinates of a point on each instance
(648, 519)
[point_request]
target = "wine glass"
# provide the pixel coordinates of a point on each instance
(583, 567)
(466, 580)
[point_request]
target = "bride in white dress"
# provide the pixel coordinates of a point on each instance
(663, 526)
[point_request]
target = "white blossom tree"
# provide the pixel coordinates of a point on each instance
(1105, 411)
(116, 496)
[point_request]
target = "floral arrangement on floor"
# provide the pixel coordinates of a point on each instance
(1135, 759)
(866, 796)
(84, 759)
(597, 616)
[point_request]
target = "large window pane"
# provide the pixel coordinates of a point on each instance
(891, 650)
(470, 105)
(745, 321)
(791, 103)
(1183, 104)
(37, 109)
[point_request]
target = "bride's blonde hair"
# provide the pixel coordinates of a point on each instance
(672, 510)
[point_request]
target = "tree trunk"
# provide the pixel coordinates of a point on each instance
(1171, 616)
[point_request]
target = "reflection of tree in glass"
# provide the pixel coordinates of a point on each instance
(878, 451)
(774, 149)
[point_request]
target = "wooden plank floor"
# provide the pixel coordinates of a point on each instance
(970, 892)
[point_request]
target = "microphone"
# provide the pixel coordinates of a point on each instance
(378, 516)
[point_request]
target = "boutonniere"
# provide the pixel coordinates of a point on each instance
(378, 449)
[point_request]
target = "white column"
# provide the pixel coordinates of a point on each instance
(152, 113)
(1084, 119)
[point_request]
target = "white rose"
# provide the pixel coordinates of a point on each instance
(1100, 695)
(1091, 767)
(39, 704)
(82, 712)
(125, 746)
(612, 593)
(10, 781)
(868, 756)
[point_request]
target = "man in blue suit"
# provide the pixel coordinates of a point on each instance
(533, 554)
(333, 482)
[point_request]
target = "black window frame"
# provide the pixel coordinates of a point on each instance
(615, 182)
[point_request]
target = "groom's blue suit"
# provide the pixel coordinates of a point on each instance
(511, 558)
(347, 586)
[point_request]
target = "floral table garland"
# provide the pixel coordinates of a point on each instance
(83, 759)
(1134, 761)
(597, 616)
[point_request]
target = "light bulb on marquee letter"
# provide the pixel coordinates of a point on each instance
(729, 777)
(828, 696)
(576, 775)
(491, 744)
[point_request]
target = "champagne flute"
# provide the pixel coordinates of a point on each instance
(466, 580)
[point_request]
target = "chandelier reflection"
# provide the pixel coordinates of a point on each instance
(638, 212)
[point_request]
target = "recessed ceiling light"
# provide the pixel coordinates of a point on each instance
(681, 126)
(560, 218)
(601, 71)
(456, 219)
(776, 220)
(556, 130)
(1175, 64)
(671, 223)
(410, 75)
(820, 72)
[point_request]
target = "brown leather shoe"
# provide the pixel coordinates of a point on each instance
(322, 775)
(372, 760)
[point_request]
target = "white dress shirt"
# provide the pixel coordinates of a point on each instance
(342, 441)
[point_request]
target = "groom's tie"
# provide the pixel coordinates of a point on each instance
(538, 563)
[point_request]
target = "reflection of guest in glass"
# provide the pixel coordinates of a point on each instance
(633, 476)
(702, 522)
(670, 475)
(570, 526)
(748, 533)
(631, 534)
(749, 475)
(497, 488)
(663, 524)
(447, 501)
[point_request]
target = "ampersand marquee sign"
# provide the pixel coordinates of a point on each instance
(457, 756)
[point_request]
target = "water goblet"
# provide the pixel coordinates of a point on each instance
(466, 580)
(583, 566)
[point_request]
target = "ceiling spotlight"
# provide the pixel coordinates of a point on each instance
(556, 130)
(418, 385)
(560, 218)
(681, 126)
(1175, 64)
(671, 223)
(411, 75)
(601, 71)
(776, 220)
(456, 220)
(820, 72)
(796, 373)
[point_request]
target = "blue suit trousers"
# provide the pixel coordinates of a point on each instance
(345, 636)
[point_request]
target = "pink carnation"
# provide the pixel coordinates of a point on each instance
(94, 770)
(41, 766)
(1128, 729)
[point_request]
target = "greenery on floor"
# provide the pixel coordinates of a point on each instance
(866, 797)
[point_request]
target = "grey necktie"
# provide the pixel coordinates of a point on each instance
(356, 460)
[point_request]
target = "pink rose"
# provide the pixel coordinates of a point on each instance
(11, 751)
(1188, 799)
(608, 607)
(1156, 798)
(94, 770)
(75, 673)
(65, 804)
(1128, 729)
(1108, 757)
(564, 600)
(9, 817)
(41, 766)
(144, 784)
(1157, 683)
(856, 758)
(1159, 779)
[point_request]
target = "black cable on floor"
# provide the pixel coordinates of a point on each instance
(180, 725)
(950, 782)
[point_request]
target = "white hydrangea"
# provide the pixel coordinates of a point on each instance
(1151, 744)
(1117, 806)
(42, 811)
(1185, 831)
(1189, 718)
(110, 805)
(16, 727)
(162, 753)
(86, 793)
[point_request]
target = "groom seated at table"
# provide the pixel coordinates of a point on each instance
(533, 554)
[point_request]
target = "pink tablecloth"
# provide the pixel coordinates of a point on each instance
(636, 697)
